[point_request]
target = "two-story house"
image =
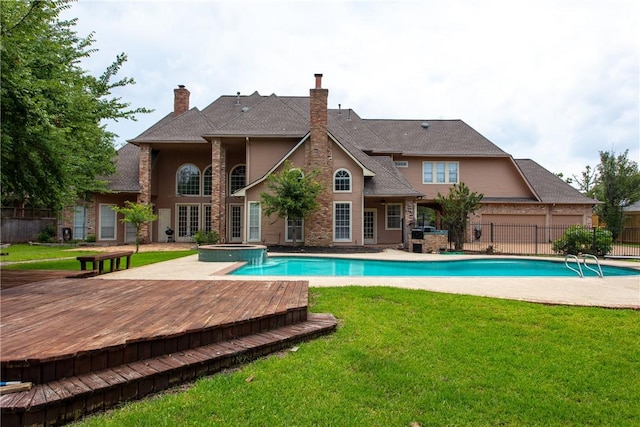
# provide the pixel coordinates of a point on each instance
(205, 170)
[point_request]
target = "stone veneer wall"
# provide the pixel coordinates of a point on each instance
(432, 243)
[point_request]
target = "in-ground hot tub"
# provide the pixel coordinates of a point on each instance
(253, 254)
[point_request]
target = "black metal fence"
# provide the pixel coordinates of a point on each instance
(531, 239)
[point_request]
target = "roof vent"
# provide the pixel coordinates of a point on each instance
(425, 125)
(238, 98)
(245, 109)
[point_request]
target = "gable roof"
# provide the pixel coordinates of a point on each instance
(548, 187)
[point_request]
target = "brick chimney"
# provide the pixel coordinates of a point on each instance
(180, 100)
(319, 227)
(320, 149)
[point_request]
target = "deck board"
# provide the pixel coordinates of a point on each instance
(51, 318)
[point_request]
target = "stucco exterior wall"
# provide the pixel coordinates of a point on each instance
(493, 177)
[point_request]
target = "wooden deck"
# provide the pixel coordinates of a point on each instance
(88, 344)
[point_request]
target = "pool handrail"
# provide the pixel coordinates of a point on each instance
(577, 261)
(587, 266)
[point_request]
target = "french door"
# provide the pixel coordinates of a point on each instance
(188, 222)
(369, 227)
(236, 224)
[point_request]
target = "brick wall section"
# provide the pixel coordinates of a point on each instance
(180, 100)
(218, 184)
(318, 155)
(144, 167)
(409, 218)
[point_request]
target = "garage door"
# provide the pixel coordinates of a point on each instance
(513, 228)
(559, 223)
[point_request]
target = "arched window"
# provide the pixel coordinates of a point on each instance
(188, 180)
(237, 178)
(342, 181)
(206, 181)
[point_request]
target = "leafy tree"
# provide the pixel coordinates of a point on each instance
(293, 194)
(586, 181)
(54, 147)
(456, 208)
(618, 187)
(136, 214)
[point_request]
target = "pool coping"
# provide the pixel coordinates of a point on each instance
(610, 292)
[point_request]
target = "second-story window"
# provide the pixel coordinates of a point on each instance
(188, 180)
(342, 181)
(237, 178)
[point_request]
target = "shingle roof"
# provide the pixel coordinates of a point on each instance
(433, 138)
(388, 181)
(187, 127)
(548, 187)
(126, 178)
(271, 117)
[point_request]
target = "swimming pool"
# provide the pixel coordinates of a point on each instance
(485, 267)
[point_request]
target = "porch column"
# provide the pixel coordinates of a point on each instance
(409, 220)
(218, 184)
(144, 171)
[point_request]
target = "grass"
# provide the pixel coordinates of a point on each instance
(405, 356)
(26, 252)
(53, 257)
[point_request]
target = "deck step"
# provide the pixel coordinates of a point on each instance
(64, 400)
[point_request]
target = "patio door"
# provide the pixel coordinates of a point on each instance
(188, 222)
(369, 227)
(236, 225)
(79, 222)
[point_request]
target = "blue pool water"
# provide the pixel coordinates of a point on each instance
(320, 266)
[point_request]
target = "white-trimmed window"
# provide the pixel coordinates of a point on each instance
(254, 222)
(108, 223)
(188, 180)
(207, 181)
(342, 181)
(299, 227)
(342, 221)
(393, 216)
(401, 163)
(440, 172)
(237, 178)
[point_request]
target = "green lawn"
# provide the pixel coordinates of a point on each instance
(405, 356)
(53, 257)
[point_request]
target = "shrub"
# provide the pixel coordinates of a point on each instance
(578, 239)
(48, 234)
(209, 237)
(91, 238)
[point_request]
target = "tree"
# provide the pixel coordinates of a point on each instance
(136, 214)
(618, 186)
(294, 195)
(54, 147)
(587, 181)
(456, 208)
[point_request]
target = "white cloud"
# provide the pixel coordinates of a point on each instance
(552, 81)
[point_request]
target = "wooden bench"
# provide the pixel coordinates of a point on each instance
(99, 259)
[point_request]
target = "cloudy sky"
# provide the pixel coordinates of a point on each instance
(554, 81)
